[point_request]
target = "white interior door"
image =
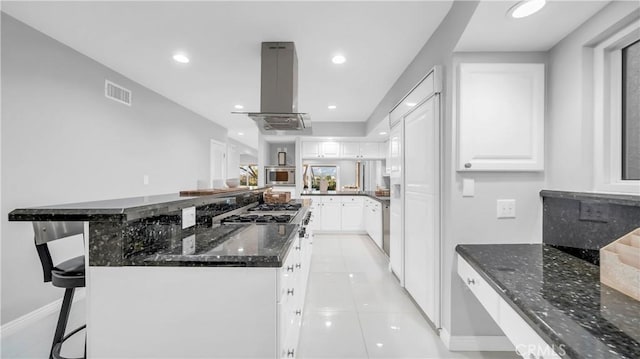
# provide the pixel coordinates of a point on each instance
(218, 167)
(422, 207)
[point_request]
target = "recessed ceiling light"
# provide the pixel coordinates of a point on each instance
(240, 133)
(181, 58)
(338, 59)
(526, 8)
(382, 133)
(239, 107)
(332, 107)
(410, 104)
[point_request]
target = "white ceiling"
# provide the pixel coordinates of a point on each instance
(490, 29)
(137, 39)
(379, 40)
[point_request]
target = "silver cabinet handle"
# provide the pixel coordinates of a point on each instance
(298, 312)
(468, 165)
(471, 281)
(290, 353)
(297, 248)
(290, 291)
(298, 265)
(289, 268)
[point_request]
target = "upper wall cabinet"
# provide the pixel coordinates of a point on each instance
(342, 150)
(360, 150)
(501, 117)
(320, 149)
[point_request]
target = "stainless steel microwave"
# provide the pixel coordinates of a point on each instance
(280, 175)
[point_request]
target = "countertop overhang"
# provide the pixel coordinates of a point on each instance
(122, 209)
(561, 297)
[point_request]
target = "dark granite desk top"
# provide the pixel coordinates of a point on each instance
(561, 297)
(370, 194)
(623, 199)
(236, 245)
(122, 209)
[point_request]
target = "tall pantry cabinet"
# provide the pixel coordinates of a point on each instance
(416, 195)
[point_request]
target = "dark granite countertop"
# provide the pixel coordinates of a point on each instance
(236, 245)
(122, 209)
(623, 199)
(561, 297)
(370, 194)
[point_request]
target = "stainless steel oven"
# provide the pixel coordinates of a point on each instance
(280, 175)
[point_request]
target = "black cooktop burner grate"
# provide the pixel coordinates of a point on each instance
(274, 207)
(254, 218)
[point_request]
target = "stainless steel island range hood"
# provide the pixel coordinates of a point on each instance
(279, 92)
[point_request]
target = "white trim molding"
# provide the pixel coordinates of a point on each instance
(37, 315)
(498, 343)
(607, 112)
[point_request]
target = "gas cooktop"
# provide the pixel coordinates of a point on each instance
(254, 218)
(275, 207)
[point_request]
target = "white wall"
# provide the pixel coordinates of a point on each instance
(473, 219)
(63, 141)
(469, 220)
(570, 130)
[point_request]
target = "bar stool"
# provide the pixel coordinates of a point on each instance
(68, 274)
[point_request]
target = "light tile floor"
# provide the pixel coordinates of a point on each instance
(355, 308)
(34, 342)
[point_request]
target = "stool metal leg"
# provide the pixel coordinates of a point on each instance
(62, 319)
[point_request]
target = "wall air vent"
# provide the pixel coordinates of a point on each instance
(117, 92)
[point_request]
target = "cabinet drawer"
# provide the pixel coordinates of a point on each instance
(288, 272)
(329, 199)
(527, 342)
(351, 199)
(487, 296)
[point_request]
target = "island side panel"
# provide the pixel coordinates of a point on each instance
(181, 312)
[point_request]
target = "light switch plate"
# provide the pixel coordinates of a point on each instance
(506, 208)
(188, 217)
(468, 187)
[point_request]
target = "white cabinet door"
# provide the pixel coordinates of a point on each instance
(396, 153)
(350, 150)
(501, 121)
(396, 244)
(421, 210)
(310, 149)
(352, 213)
(370, 150)
(331, 216)
(387, 157)
(330, 149)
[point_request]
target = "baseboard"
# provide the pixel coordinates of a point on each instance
(475, 343)
(37, 315)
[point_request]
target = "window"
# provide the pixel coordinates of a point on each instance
(616, 64)
(249, 175)
(631, 112)
(329, 173)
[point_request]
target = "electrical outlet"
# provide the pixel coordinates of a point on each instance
(594, 211)
(506, 208)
